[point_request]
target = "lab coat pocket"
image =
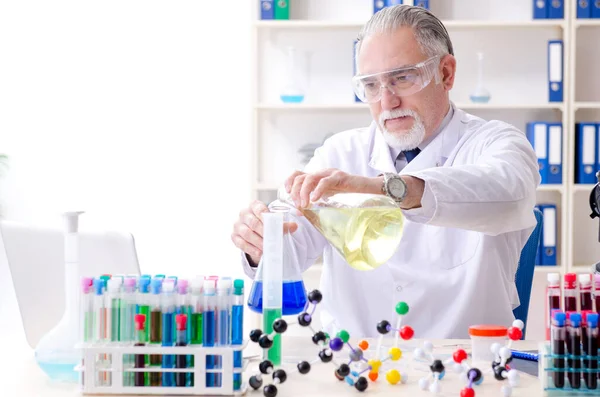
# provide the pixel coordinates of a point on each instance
(450, 247)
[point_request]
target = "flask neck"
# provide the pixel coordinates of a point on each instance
(71, 273)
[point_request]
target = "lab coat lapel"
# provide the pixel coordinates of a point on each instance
(440, 149)
(381, 159)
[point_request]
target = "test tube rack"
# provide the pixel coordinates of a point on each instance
(547, 368)
(105, 366)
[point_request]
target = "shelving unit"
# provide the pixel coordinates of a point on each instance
(515, 68)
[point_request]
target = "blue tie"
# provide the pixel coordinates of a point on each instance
(411, 154)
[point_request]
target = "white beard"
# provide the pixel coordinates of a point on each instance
(406, 140)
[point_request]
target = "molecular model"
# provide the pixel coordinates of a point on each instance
(436, 366)
(352, 372)
(500, 367)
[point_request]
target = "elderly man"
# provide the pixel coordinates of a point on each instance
(467, 188)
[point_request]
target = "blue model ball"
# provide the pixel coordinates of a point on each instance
(336, 344)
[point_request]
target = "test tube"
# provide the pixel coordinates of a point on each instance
(223, 313)
(209, 327)
(574, 349)
(272, 280)
(237, 329)
(585, 292)
(113, 304)
(87, 310)
(195, 321)
(558, 348)
(168, 312)
(140, 340)
(143, 307)
(591, 350)
(181, 378)
(126, 322)
(155, 329)
(597, 291)
(570, 292)
(184, 307)
(100, 324)
(553, 299)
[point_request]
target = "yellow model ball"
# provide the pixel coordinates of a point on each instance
(375, 365)
(392, 376)
(395, 353)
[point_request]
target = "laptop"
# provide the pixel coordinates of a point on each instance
(35, 258)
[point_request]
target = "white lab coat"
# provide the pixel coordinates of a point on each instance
(456, 262)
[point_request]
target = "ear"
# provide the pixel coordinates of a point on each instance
(448, 71)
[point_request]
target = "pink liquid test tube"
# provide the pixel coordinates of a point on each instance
(597, 291)
(570, 291)
(553, 299)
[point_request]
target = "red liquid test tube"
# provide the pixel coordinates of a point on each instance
(553, 299)
(570, 291)
(585, 292)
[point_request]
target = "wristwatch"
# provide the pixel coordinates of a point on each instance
(394, 186)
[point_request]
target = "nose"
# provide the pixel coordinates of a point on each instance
(389, 100)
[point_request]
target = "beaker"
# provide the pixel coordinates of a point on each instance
(480, 94)
(57, 353)
(295, 76)
(365, 229)
(293, 290)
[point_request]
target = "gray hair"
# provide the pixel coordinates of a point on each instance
(430, 32)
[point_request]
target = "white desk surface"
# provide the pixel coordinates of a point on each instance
(20, 375)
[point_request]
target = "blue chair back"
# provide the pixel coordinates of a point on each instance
(525, 270)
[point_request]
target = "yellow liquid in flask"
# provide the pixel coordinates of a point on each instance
(365, 237)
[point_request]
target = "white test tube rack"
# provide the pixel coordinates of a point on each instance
(105, 376)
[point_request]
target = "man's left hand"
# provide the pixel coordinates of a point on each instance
(305, 188)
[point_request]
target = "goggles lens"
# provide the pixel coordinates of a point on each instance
(401, 82)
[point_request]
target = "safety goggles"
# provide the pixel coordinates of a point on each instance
(401, 82)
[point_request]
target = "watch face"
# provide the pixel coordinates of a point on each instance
(396, 188)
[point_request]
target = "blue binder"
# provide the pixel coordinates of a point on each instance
(393, 2)
(538, 256)
(378, 5)
(549, 235)
(555, 153)
(267, 9)
(595, 8)
(584, 9)
(586, 146)
(537, 134)
(556, 9)
(540, 9)
(555, 70)
(356, 99)
(422, 3)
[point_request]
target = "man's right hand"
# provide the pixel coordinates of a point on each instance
(248, 231)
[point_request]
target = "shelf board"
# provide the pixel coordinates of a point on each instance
(583, 187)
(548, 269)
(356, 106)
(587, 22)
(581, 268)
(474, 24)
(586, 105)
(550, 188)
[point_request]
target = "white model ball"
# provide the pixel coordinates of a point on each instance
(514, 378)
(518, 324)
(428, 346)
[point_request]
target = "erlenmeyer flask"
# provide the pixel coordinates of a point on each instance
(294, 292)
(364, 228)
(295, 78)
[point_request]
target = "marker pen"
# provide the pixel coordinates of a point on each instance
(237, 329)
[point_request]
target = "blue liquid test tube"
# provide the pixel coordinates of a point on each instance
(209, 325)
(168, 339)
(237, 329)
(223, 313)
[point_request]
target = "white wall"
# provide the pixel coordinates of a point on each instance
(134, 111)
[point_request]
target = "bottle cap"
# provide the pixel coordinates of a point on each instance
(156, 286)
(575, 319)
(570, 280)
(488, 330)
(130, 282)
(592, 319)
(223, 285)
(144, 284)
(238, 287)
(168, 286)
(174, 279)
(559, 318)
(196, 284)
(98, 286)
(86, 284)
(181, 320)
(585, 280)
(553, 278)
(182, 287)
(584, 314)
(140, 320)
(209, 286)
(113, 285)
(597, 280)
